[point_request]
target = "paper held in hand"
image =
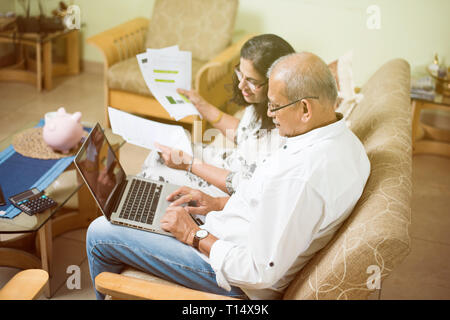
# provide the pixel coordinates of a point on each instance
(145, 133)
(164, 71)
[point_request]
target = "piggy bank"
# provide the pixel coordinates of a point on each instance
(63, 131)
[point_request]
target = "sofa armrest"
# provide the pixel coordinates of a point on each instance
(215, 74)
(25, 285)
(121, 42)
(122, 287)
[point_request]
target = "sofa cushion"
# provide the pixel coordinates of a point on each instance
(126, 75)
(202, 27)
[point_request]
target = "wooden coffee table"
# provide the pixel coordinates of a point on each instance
(33, 248)
(42, 67)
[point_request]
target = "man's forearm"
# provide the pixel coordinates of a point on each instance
(221, 202)
(206, 244)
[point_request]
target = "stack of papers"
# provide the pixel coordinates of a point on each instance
(165, 70)
(145, 133)
(423, 88)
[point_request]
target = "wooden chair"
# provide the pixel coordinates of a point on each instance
(25, 285)
(213, 58)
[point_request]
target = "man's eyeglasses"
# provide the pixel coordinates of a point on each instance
(273, 107)
(250, 82)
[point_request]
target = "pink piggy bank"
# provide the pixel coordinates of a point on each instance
(63, 131)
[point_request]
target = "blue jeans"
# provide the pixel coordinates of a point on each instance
(111, 248)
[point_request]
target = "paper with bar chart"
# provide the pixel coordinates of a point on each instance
(165, 70)
(144, 58)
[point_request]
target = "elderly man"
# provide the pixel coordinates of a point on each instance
(253, 243)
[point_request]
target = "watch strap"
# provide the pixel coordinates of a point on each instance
(196, 242)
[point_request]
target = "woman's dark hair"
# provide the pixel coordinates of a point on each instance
(262, 51)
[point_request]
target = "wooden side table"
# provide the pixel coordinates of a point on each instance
(422, 144)
(42, 68)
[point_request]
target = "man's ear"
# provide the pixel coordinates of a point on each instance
(307, 110)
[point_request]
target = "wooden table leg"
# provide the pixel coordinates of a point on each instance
(38, 66)
(73, 52)
(46, 248)
(47, 48)
(416, 107)
(87, 207)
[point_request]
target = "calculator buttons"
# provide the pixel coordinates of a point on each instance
(35, 204)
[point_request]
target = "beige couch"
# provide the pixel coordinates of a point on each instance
(374, 238)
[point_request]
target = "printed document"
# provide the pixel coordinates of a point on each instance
(145, 133)
(164, 70)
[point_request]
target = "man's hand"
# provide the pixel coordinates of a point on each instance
(178, 222)
(173, 158)
(197, 201)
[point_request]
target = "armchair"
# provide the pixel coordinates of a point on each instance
(202, 27)
(25, 285)
(371, 242)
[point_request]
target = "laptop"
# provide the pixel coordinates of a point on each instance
(129, 201)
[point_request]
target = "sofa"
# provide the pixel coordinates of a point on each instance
(372, 241)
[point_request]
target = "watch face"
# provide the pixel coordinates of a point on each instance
(201, 234)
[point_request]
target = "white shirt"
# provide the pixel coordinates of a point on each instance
(290, 208)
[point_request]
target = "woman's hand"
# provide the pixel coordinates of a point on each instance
(173, 158)
(195, 98)
(220, 120)
(197, 201)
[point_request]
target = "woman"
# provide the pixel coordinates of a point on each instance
(219, 170)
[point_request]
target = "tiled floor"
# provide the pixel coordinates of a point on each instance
(424, 274)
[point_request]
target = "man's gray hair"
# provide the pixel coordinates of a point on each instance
(311, 78)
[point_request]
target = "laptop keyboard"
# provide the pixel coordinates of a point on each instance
(141, 201)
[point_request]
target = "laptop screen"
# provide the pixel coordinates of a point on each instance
(100, 169)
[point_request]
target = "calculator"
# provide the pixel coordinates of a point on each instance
(32, 201)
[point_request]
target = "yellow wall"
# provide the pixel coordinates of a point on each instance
(410, 29)
(100, 15)
(6, 6)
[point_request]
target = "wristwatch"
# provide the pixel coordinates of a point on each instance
(199, 235)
